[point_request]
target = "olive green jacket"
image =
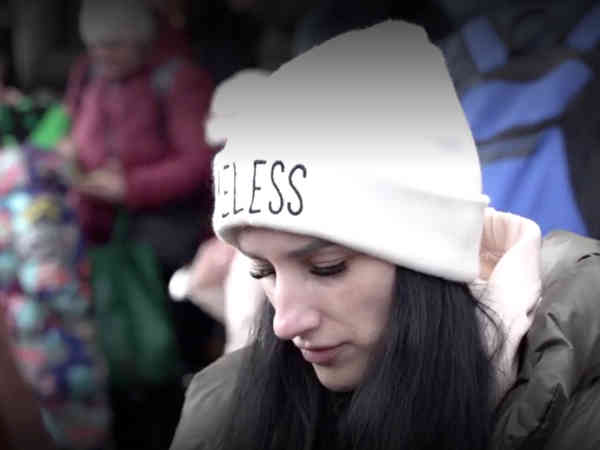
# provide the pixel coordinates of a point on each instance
(555, 402)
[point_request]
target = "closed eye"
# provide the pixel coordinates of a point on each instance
(328, 271)
(261, 272)
(320, 271)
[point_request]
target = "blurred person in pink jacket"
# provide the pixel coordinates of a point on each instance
(138, 106)
(138, 110)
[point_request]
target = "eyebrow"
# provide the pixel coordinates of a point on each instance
(300, 252)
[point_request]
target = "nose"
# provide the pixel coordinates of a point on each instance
(295, 315)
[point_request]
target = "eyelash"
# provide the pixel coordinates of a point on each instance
(261, 273)
(329, 271)
(324, 271)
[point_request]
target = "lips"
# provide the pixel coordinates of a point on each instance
(321, 355)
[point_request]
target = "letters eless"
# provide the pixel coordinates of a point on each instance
(275, 188)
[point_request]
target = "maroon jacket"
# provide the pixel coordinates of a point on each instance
(157, 136)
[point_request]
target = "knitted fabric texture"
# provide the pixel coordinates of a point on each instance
(360, 141)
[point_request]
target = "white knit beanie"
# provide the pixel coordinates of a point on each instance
(114, 20)
(360, 141)
(232, 97)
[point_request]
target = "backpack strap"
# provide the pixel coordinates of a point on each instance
(161, 81)
(163, 76)
(77, 85)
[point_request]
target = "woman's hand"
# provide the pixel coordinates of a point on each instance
(107, 183)
(211, 264)
(66, 148)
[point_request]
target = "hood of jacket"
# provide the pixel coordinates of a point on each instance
(509, 287)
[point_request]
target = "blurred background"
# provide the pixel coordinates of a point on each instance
(40, 38)
(115, 123)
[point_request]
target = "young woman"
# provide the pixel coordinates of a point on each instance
(397, 301)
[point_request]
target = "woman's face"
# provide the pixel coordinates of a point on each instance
(118, 59)
(331, 302)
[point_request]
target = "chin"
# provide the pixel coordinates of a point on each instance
(337, 380)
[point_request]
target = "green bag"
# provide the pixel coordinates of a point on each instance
(52, 127)
(131, 309)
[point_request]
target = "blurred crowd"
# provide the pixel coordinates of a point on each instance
(122, 157)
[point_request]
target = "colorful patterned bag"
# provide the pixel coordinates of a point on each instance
(45, 292)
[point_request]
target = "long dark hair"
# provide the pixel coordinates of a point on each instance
(429, 385)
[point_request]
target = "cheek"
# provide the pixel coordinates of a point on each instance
(366, 304)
